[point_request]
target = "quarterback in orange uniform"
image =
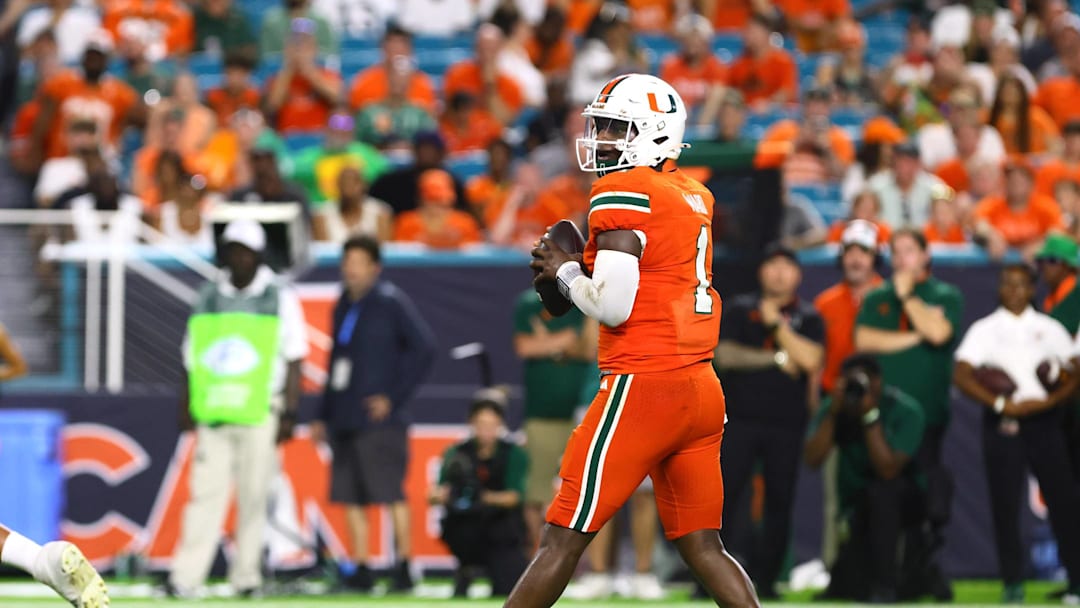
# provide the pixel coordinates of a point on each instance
(646, 275)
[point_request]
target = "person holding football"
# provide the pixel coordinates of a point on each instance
(646, 276)
(1023, 428)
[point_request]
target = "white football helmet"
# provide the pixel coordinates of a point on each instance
(636, 120)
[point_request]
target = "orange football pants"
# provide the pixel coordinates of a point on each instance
(665, 424)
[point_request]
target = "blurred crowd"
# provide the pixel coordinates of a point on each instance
(451, 123)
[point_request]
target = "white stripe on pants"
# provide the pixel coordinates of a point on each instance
(228, 455)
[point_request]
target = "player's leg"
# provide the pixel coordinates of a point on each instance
(256, 466)
(689, 491)
(59, 565)
(607, 457)
(599, 582)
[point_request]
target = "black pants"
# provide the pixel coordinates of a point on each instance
(867, 561)
(493, 540)
(779, 450)
(1042, 445)
(1072, 435)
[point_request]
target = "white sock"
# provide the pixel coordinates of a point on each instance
(19, 551)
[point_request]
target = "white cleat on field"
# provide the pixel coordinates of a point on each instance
(63, 567)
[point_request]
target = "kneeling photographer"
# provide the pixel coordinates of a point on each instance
(877, 429)
(482, 484)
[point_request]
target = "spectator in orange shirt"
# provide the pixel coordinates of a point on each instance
(466, 127)
(955, 172)
(1024, 128)
(91, 94)
(480, 77)
(486, 191)
(372, 85)
(435, 222)
(814, 22)
(301, 96)
(764, 74)
(865, 207)
(573, 189)
(1067, 195)
(157, 167)
(1057, 95)
(945, 226)
(1021, 218)
(198, 122)
(811, 150)
(524, 214)
(1066, 166)
(237, 91)
(839, 305)
(550, 47)
(694, 71)
(172, 27)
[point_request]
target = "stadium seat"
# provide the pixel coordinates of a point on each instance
(435, 43)
(268, 66)
(359, 44)
(467, 165)
(727, 42)
(436, 62)
(825, 198)
(356, 60)
(302, 139)
(758, 122)
(658, 43)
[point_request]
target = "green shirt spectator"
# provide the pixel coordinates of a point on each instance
(1057, 261)
(316, 168)
(380, 124)
(276, 29)
(220, 28)
(553, 385)
(923, 371)
(903, 424)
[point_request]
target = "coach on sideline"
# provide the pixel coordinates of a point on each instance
(1025, 427)
(245, 340)
(382, 351)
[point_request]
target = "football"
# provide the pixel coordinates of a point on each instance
(995, 380)
(1050, 374)
(567, 236)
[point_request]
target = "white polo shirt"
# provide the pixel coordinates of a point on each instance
(1017, 344)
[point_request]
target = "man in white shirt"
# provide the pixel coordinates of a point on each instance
(1024, 425)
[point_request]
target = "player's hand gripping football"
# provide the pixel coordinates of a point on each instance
(548, 257)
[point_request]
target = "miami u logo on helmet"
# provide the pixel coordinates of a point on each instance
(655, 107)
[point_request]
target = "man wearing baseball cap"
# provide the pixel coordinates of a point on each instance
(770, 348)
(245, 340)
(838, 306)
(1058, 263)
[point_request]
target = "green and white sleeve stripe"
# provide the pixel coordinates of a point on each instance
(629, 201)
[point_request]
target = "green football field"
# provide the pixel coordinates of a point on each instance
(20, 595)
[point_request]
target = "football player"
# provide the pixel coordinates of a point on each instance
(646, 275)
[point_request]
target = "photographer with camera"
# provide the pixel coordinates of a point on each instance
(482, 486)
(877, 430)
(1022, 426)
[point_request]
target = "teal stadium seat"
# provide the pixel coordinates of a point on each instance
(467, 165)
(302, 139)
(825, 198)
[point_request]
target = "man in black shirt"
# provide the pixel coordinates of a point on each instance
(770, 348)
(400, 187)
(382, 352)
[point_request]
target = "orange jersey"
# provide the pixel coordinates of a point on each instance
(838, 307)
(225, 104)
(1052, 172)
(167, 20)
(373, 86)
(303, 109)
(1041, 128)
(554, 59)
(951, 235)
(1023, 227)
(761, 78)
(675, 321)
(465, 77)
(955, 174)
(1058, 97)
(107, 103)
(693, 82)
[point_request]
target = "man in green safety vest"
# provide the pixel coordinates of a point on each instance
(245, 340)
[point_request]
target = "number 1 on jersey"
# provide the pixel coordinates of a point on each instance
(703, 303)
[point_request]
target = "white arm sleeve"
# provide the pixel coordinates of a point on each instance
(609, 295)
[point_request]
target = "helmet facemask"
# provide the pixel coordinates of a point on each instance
(607, 145)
